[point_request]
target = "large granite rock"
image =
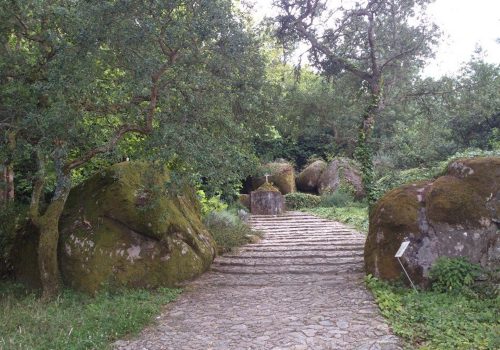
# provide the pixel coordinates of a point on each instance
(341, 173)
(282, 175)
(124, 227)
(307, 180)
(456, 215)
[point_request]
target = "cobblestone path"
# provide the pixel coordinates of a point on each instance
(299, 288)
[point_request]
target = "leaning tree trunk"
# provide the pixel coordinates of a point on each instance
(48, 224)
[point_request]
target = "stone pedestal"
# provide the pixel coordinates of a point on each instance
(267, 203)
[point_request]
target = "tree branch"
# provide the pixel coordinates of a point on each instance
(299, 26)
(128, 128)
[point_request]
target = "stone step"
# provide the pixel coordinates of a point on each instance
(289, 270)
(347, 249)
(307, 231)
(296, 255)
(292, 261)
(302, 247)
(302, 228)
(287, 220)
(327, 256)
(347, 281)
(312, 221)
(299, 255)
(301, 240)
(298, 225)
(294, 236)
(291, 243)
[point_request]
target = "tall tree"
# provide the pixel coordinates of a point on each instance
(366, 41)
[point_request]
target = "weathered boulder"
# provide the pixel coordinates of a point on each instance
(341, 173)
(267, 200)
(457, 215)
(282, 175)
(307, 180)
(124, 227)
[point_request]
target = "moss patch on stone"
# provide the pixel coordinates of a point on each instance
(282, 175)
(307, 180)
(393, 218)
(267, 187)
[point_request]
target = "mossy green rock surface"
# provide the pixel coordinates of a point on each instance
(282, 175)
(456, 215)
(342, 173)
(125, 227)
(308, 179)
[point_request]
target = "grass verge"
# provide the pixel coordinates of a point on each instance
(435, 320)
(75, 320)
(354, 215)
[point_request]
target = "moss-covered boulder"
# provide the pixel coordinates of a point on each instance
(307, 180)
(456, 215)
(125, 227)
(341, 173)
(281, 174)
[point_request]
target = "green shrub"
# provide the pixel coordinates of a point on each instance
(210, 204)
(300, 200)
(340, 198)
(228, 230)
(402, 177)
(354, 215)
(453, 274)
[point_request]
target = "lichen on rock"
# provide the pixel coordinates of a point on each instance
(124, 227)
(341, 173)
(308, 179)
(455, 215)
(281, 174)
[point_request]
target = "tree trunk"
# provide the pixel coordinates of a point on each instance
(6, 183)
(48, 226)
(48, 223)
(363, 152)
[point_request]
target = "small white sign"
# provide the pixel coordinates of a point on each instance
(402, 249)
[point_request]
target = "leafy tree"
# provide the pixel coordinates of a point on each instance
(435, 119)
(176, 79)
(367, 41)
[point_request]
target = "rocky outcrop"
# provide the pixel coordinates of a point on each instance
(307, 180)
(281, 174)
(341, 173)
(457, 215)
